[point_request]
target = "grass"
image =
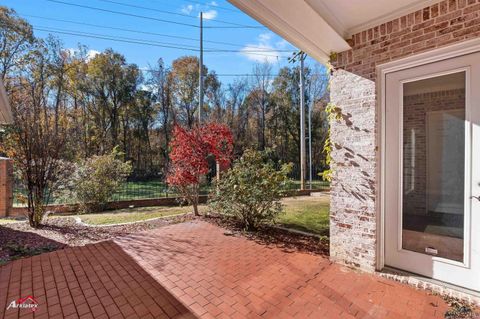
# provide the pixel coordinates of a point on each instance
(306, 213)
(129, 215)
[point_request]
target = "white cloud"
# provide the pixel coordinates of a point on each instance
(260, 53)
(282, 44)
(91, 54)
(210, 14)
(187, 9)
(265, 37)
(263, 51)
(71, 51)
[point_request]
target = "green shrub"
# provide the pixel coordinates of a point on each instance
(251, 190)
(96, 179)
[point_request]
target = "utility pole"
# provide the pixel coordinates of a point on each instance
(303, 161)
(200, 90)
(310, 109)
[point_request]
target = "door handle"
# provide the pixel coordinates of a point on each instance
(476, 197)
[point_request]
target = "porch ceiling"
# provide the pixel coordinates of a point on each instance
(5, 111)
(320, 27)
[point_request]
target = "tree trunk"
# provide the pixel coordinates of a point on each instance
(31, 220)
(195, 200)
(195, 209)
(34, 219)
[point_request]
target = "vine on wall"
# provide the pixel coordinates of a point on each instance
(333, 114)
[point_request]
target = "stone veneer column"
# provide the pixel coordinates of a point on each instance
(6, 186)
(353, 191)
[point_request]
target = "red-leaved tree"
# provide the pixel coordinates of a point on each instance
(190, 150)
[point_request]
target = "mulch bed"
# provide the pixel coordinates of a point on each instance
(19, 240)
(460, 309)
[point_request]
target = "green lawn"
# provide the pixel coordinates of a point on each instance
(306, 213)
(134, 214)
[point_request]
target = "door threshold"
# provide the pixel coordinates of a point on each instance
(433, 285)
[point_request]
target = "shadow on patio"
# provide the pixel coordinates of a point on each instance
(94, 281)
(17, 244)
(194, 269)
(219, 275)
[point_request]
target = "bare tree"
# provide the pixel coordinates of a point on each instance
(261, 86)
(215, 97)
(235, 119)
(160, 83)
(184, 80)
(33, 142)
(16, 40)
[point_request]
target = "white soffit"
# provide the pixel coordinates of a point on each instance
(5, 111)
(297, 22)
(348, 17)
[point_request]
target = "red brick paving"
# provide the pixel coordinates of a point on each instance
(200, 272)
(95, 281)
(219, 276)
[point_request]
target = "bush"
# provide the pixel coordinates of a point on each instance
(251, 190)
(97, 179)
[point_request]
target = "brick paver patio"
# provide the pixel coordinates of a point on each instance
(200, 271)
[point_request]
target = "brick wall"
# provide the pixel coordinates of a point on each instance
(6, 186)
(352, 192)
(438, 25)
(355, 137)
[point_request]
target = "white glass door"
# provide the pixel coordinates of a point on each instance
(432, 170)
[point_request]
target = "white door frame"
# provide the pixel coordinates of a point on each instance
(436, 55)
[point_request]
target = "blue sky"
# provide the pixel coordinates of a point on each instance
(244, 41)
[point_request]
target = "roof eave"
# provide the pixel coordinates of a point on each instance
(299, 24)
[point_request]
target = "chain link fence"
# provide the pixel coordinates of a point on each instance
(153, 188)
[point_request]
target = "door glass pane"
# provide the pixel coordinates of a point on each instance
(434, 166)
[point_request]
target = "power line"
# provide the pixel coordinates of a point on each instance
(206, 4)
(179, 14)
(318, 75)
(123, 13)
(147, 17)
(132, 30)
(250, 50)
(116, 39)
(44, 28)
(267, 75)
(148, 42)
(39, 27)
